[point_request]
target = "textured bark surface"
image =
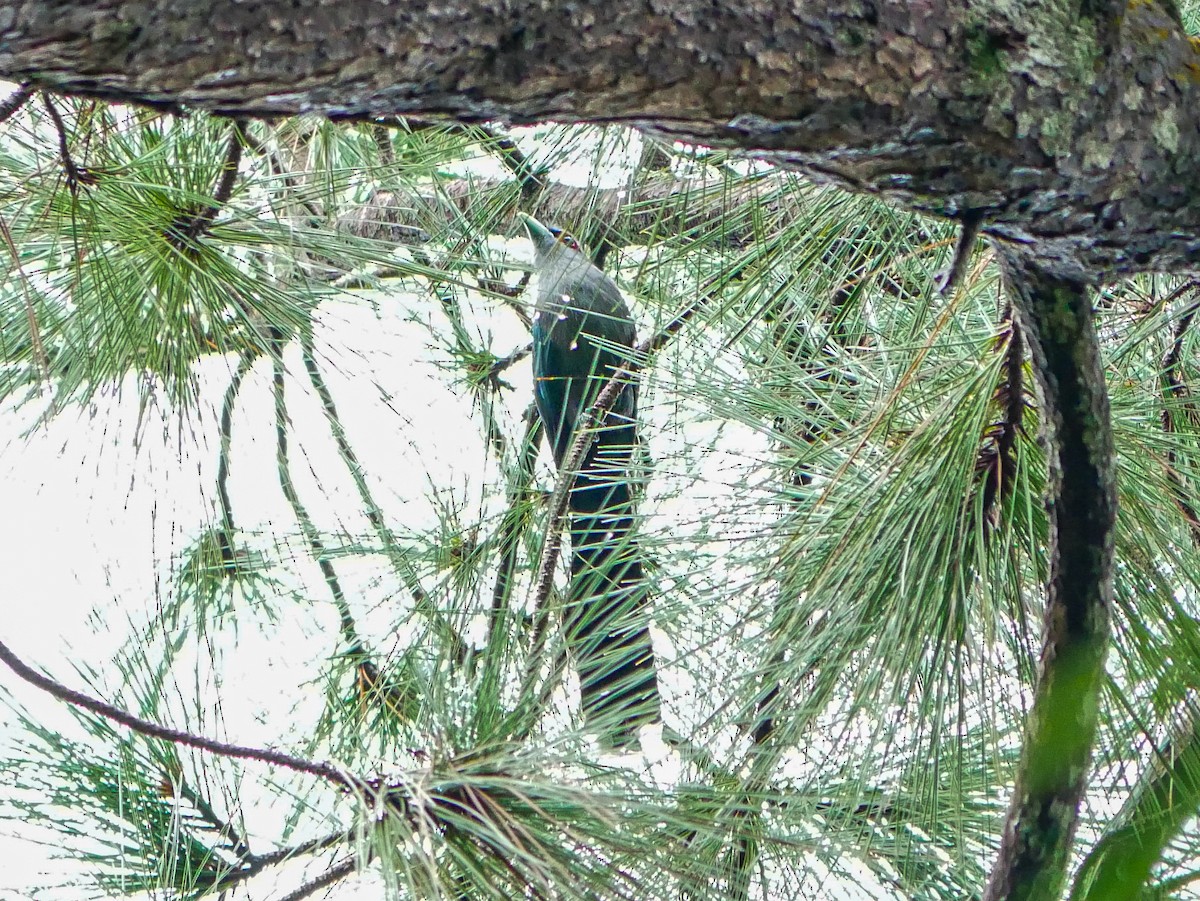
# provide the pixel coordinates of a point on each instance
(1073, 128)
(1056, 318)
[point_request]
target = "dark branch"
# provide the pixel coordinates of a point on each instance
(355, 649)
(532, 180)
(186, 232)
(76, 175)
(1056, 319)
(335, 873)
(996, 459)
(254, 864)
(326, 771)
(14, 102)
(972, 220)
(226, 428)
(35, 333)
(1175, 394)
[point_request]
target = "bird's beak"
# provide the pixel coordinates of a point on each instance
(541, 236)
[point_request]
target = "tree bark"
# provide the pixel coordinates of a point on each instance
(1056, 318)
(1071, 127)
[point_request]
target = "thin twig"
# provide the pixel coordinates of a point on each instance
(532, 180)
(226, 428)
(275, 164)
(1174, 390)
(35, 334)
(371, 508)
(326, 771)
(513, 521)
(257, 863)
(15, 101)
(223, 827)
(198, 225)
(503, 363)
(316, 546)
(76, 175)
(334, 874)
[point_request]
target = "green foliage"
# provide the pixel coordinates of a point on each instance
(842, 515)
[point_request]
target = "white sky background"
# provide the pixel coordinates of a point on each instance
(101, 501)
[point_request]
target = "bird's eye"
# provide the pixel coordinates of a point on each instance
(565, 238)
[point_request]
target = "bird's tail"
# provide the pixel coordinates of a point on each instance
(607, 612)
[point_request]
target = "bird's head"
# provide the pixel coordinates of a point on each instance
(547, 239)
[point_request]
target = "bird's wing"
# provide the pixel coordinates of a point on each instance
(557, 404)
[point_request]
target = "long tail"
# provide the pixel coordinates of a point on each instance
(607, 610)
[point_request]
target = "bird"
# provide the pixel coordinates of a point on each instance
(582, 333)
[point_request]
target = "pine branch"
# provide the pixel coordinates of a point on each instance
(531, 179)
(383, 143)
(996, 460)
(254, 864)
(326, 771)
(188, 231)
(245, 362)
(512, 525)
(1056, 317)
(224, 828)
(275, 164)
(963, 248)
(355, 649)
(76, 175)
(335, 873)
(502, 363)
(35, 333)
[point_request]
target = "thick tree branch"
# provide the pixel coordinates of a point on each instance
(704, 208)
(1056, 320)
(1072, 134)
